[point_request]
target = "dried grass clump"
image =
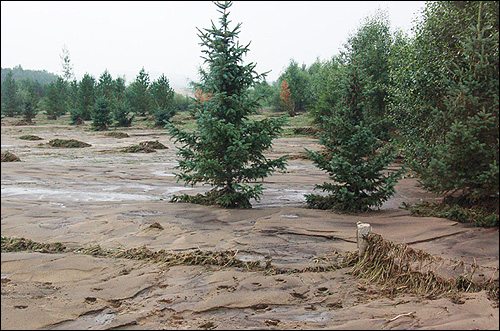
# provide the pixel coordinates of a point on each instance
(307, 131)
(195, 257)
(117, 134)
(153, 144)
(21, 123)
(68, 143)
(137, 149)
(30, 137)
(156, 225)
(10, 157)
(401, 269)
(14, 244)
(298, 156)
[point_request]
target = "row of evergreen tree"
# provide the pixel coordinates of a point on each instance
(64, 95)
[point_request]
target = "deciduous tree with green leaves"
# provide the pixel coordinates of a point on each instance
(226, 149)
(446, 100)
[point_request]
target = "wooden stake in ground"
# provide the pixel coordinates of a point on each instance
(363, 229)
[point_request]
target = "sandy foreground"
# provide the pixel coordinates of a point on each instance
(99, 195)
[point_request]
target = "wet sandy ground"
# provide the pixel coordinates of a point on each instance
(99, 195)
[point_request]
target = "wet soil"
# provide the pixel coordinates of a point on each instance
(101, 195)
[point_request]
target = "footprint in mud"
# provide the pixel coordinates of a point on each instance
(90, 300)
(20, 307)
(260, 306)
(207, 326)
(298, 295)
(322, 291)
(227, 288)
(334, 305)
(272, 322)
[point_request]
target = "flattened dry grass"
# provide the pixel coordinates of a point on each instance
(10, 157)
(394, 268)
(68, 143)
(154, 144)
(13, 244)
(30, 137)
(138, 149)
(398, 268)
(116, 134)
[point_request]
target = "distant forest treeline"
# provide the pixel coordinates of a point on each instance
(18, 73)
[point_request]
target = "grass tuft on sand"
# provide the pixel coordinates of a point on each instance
(10, 157)
(68, 143)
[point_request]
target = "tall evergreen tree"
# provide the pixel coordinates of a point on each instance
(9, 101)
(101, 114)
(162, 100)
(57, 100)
(86, 96)
(354, 158)
(27, 103)
(105, 86)
(141, 94)
(226, 150)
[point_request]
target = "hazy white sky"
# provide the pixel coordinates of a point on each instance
(161, 36)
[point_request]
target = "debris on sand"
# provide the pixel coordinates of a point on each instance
(30, 137)
(68, 143)
(14, 244)
(117, 134)
(394, 268)
(156, 225)
(153, 144)
(144, 147)
(9, 157)
(137, 149)
(306, 130)
(398, 268)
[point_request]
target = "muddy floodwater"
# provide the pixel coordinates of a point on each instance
(100, 195)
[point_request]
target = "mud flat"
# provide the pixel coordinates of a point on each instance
(99, 195)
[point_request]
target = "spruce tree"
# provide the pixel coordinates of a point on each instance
(101, 114)
(86, 96)
(9, 100)
(27, 104)
(354, 158)
(226, 149)
(162, 100)
(141, 94)
(57, 99)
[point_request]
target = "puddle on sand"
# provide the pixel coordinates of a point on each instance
(37, 193)
(87, 321)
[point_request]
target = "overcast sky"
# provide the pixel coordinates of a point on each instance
(161, 36)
